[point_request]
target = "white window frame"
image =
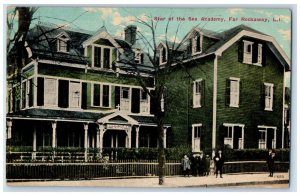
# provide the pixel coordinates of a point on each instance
(247, 56)
(125, 101)
(138, 56)
(194, 43)
(270, 98)
(234, 96)
(64, 40)
(53, 95)
(262, 143)
(259, 55)
(144, 103)
(71, 95)
(161, 56)
(229, 140)
(196, 139)
(102, 56)
(197, 95)
(101, 95)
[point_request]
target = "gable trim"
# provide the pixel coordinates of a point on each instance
(106, 119)
(284, 60)
(103, 35)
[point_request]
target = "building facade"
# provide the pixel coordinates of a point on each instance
(80, 90)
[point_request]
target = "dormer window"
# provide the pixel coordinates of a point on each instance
(102, 57)
(247, 57)
(196, 43)
(63, 43)
(138, 56)
(162, 55)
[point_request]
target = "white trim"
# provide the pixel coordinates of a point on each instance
(271, 85)
(214, 120)
(102, 35)
(194, 41)
(257, 36)
(232, 93)
(102, 47)
(59, 63)
(197, 96)
(262, 128)
(283, 110)
(106, 119)
(232, 125)
(266, 127)
(51, 119)
(193, 137)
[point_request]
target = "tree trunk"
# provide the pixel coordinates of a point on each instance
(162, 156)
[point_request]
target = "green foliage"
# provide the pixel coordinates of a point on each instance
(255, 154)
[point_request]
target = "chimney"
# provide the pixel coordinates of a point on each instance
(130, 34)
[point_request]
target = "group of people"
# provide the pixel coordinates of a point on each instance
(200, 164)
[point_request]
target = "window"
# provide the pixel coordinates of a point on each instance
(102, 57)
(197, 43)
(96, 95)
(259, 54)
(269, 91)
(234, 135)
(63, 43)
(50, 92)
(267, 137)
(125, 99)
(101, 95)
(196, 137)
(144, 102)
(198, 93)
(162, 55)
(105, 96)
(138, 56)
(233, 92)
(247, 56)
(75, 94)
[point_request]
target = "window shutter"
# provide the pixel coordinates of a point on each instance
(192, 101)
(240, 51)
(68, 46)
(263, 55)
(263, 96)
(117, 96)
(227, 92)
(40, 92)
(254, 53)
(63, 93)
(240, 93)
(84, 95)
(142, 58)
(202, 93)
(274, 98)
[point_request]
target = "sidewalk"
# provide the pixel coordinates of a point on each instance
(228, 180)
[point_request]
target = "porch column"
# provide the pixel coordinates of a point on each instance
(243, 139)
(53, 134)
(34, 144)
(98, 139)
(85, 126)
(137, 130)
(9, 125)
(165, 137)
(193, 138)
(101, 133)
(129, 137)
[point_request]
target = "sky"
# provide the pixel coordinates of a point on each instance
(89, 19)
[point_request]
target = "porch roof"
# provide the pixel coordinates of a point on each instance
(66, 115)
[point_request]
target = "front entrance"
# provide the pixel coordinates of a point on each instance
(234, 135)
(115, 139)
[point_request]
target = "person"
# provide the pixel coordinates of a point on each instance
(207, 165)
(270, 162)
(194, 164)
(186, 165)
(219, 162)
(201, 164)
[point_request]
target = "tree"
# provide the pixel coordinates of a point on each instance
(159, 72)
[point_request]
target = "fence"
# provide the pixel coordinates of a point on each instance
(65, 171)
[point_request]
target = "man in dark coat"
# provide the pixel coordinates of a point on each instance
(270, 162)
(201, 164)
(219, 162)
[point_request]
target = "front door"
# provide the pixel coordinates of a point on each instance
(115, 139)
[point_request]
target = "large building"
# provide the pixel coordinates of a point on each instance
(79, 90)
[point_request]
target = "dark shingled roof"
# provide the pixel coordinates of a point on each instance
(73, 115)
(58, 114)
